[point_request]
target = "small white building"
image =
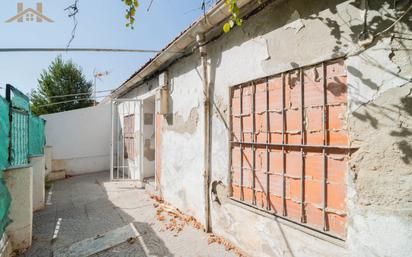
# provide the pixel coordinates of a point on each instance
(288, 136)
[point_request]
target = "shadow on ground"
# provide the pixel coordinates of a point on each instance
(91, 205)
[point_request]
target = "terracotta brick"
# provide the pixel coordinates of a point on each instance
(260, 181)
(336, 89)
(235, 106)
(314, 216)
(276, 204)
(275, 185)
(336, 68)
(247, 157)
(247, 177)
(275, 121)
(313, 166)
(313, 86)
(275, 93)
(337, 168)
(314, 119)
(236, 156)
(293, 120)
(293, 210)
(275, 161)
(337, 224)
(293, 189)
(313, 192)
(335, 196)
(247, 194)
(292, 89)
(293, 161)
(261, 200)
(236, 127)
(337, 117)
(247, 90)
(260, 102)
(260, 161)
(293, 138)
(275, 138)
(338, 137)
(236, 191)
(236, 92)
(314, 138)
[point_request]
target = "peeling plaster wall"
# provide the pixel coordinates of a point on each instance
(283, 36)
(182, 140)
(289, 34)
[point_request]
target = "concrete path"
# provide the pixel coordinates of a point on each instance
(90, 205)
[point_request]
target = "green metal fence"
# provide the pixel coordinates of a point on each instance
(4, 162)
(19, 133)
(21, 136)
(37, 139)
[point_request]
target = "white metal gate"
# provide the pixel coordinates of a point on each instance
(125, 161)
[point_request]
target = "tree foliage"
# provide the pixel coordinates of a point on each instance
(233, 9)
(61, 78)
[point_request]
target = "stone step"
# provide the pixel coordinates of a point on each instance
(56, 175)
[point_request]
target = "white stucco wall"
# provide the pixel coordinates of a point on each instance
(38, 165)
(19, 182)
(80, 139)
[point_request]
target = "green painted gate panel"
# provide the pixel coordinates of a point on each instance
(4, 134)
(19, 138)
(36, 135)
(4, 159)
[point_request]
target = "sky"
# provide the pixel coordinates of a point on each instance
(101, 24)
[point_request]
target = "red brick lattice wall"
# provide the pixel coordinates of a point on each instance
(289, 145)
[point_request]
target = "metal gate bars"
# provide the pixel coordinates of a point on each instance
(125, 145)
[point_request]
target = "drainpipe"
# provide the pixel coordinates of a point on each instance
(200, 38)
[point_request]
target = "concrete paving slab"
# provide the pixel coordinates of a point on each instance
(98, 243)
(90, 205)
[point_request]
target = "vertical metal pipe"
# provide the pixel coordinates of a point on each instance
(119, 126)
(123, 140)
(230, 144)
(241, 144)
(324, 126)
(129, 140)
(111, 139)
(253, 146)
(201, 39)
(302, 142)
(122, 145)
(283, 148)
(267, 148)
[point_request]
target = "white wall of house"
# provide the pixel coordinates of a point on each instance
(80, 139)
(287, 35)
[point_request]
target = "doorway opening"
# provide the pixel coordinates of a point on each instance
(149, 140)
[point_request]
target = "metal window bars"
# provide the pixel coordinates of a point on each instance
(284, 147)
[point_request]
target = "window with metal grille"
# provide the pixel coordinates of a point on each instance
(289, 145)
(129, 121)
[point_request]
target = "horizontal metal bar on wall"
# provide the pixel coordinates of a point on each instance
(305, 225)
(295, 145)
